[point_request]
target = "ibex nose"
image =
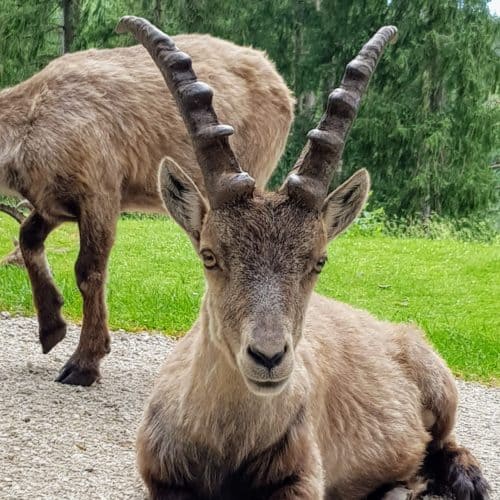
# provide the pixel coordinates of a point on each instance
(268, 359)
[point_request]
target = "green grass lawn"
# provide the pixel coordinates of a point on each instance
(450, 288)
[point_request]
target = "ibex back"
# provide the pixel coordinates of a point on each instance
(82, 141)
(276, 392)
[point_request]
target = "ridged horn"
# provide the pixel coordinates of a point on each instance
(224, 179)
(310, 177)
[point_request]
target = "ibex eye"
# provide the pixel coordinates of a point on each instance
(320, 263)
(209, 260)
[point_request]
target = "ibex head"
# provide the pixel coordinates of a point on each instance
(262, 252)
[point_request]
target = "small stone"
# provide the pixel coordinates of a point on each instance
(89, 469)
(4, 315)
(26, 419)
(29, 366)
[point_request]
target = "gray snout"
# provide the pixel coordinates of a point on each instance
(267, 356)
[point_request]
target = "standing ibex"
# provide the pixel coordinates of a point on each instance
(82, 141)
(276, 392)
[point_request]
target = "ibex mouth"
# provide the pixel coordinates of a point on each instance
(268, 386)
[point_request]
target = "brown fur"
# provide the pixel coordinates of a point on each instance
(82, 141)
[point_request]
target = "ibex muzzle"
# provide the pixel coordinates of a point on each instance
(266, 354)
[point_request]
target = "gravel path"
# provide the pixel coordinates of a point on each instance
(61, 442)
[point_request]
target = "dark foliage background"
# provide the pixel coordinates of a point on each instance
(428, 130)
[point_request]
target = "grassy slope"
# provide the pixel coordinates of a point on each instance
(449, 288)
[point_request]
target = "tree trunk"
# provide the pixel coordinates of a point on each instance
(15, 257)
(14, 212)
(67, 26)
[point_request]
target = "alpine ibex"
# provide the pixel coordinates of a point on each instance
(276, 392)
(82, 140)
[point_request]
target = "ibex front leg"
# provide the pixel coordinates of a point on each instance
(97, 231)
(298, 467)
(48, 301)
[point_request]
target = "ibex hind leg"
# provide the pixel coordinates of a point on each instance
(453, 472)
(46, 297)
(447, 469)
(97, 224)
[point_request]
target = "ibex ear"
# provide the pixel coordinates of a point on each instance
(344, 204)
(182, 199)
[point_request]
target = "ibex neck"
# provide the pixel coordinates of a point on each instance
(215, 346)
(219, 399)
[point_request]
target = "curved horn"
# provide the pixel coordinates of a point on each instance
(313, 172)
(224, 179)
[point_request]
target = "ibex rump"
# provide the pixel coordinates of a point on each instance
(276, 392)
(82, 141)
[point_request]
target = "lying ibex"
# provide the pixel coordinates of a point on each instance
(277, 392)
(82, 141)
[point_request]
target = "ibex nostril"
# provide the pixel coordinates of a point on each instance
(266, 360)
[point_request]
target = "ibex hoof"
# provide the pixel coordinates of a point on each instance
(51, 337)
(73, 374)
